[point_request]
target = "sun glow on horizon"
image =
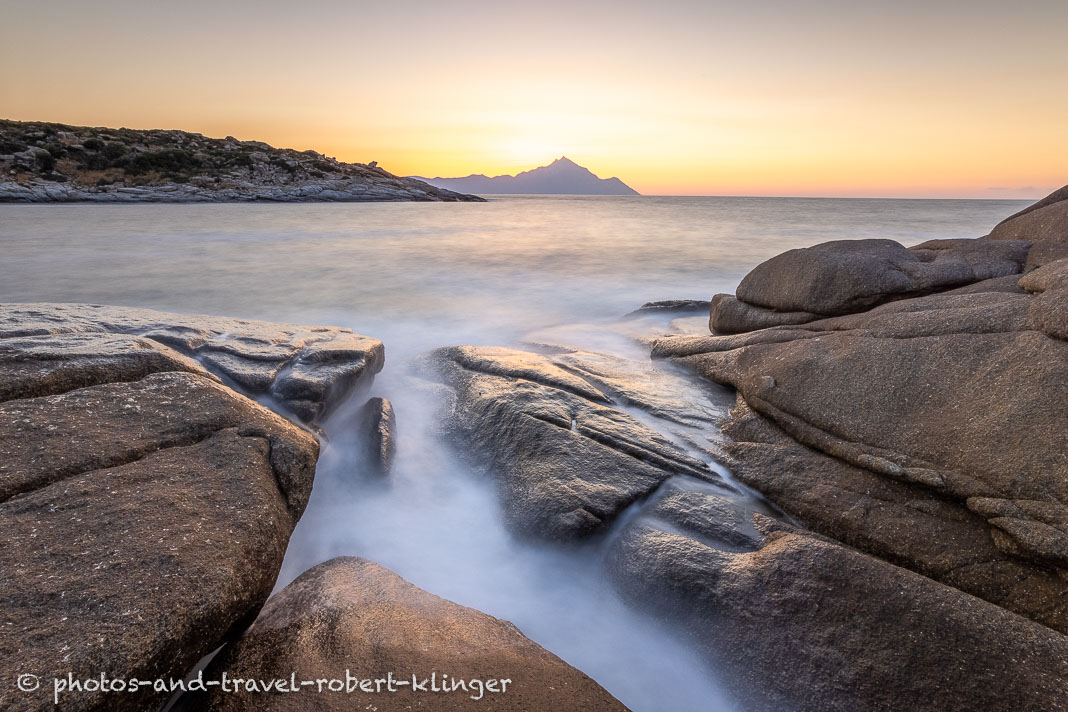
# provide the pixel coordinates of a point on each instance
(681, 98)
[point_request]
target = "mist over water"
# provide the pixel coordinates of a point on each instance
(424, 275)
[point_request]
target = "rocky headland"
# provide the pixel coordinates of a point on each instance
(47, 162)
(848, 491)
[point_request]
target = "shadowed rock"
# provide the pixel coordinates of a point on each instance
(348, 613)
(141, 523)
(670, 305)
(379, 424)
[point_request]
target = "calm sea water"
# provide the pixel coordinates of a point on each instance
(422, 275)
(449, 271)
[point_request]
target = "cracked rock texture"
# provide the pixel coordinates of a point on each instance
(305, 370)
(566, 459)
(349, 613)
(145, 506)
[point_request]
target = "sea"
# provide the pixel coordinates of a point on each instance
(423, 275)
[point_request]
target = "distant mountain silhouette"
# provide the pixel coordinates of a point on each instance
(562, 177)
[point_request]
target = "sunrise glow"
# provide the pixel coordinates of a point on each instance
(672, 102)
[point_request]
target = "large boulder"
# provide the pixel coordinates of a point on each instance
(928, 431)
(846, 276)
(791, 620)
(306, 370)
(350, 618)
(1045, 223)
(145, 507)
(567, 460)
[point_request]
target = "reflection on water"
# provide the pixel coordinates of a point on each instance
(420, 276)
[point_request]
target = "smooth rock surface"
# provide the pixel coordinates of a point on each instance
(940, 414)
(730, 315)
(671, 305)
(349, 613)
(794, 621)
(847, 276)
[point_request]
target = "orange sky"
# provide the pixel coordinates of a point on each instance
(938, 98)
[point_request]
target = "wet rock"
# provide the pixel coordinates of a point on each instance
(794, 621)
(671, 305)
(351, 614)
(1044, 223)
(306, 370)
(140, 523)
(565, 461)
(662, 390)
(847, 276)
(906, 416)
(379, 423)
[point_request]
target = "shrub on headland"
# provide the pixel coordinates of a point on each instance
(170, 160)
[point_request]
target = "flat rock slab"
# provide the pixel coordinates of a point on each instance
(306, 370)
(566, 460)
(351, 614)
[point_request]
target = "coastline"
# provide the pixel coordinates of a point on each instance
(831, 512)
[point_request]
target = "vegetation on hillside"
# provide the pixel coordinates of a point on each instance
(38, 151)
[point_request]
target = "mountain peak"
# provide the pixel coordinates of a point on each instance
(561, 177)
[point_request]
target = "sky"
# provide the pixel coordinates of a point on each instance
(944, 98)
